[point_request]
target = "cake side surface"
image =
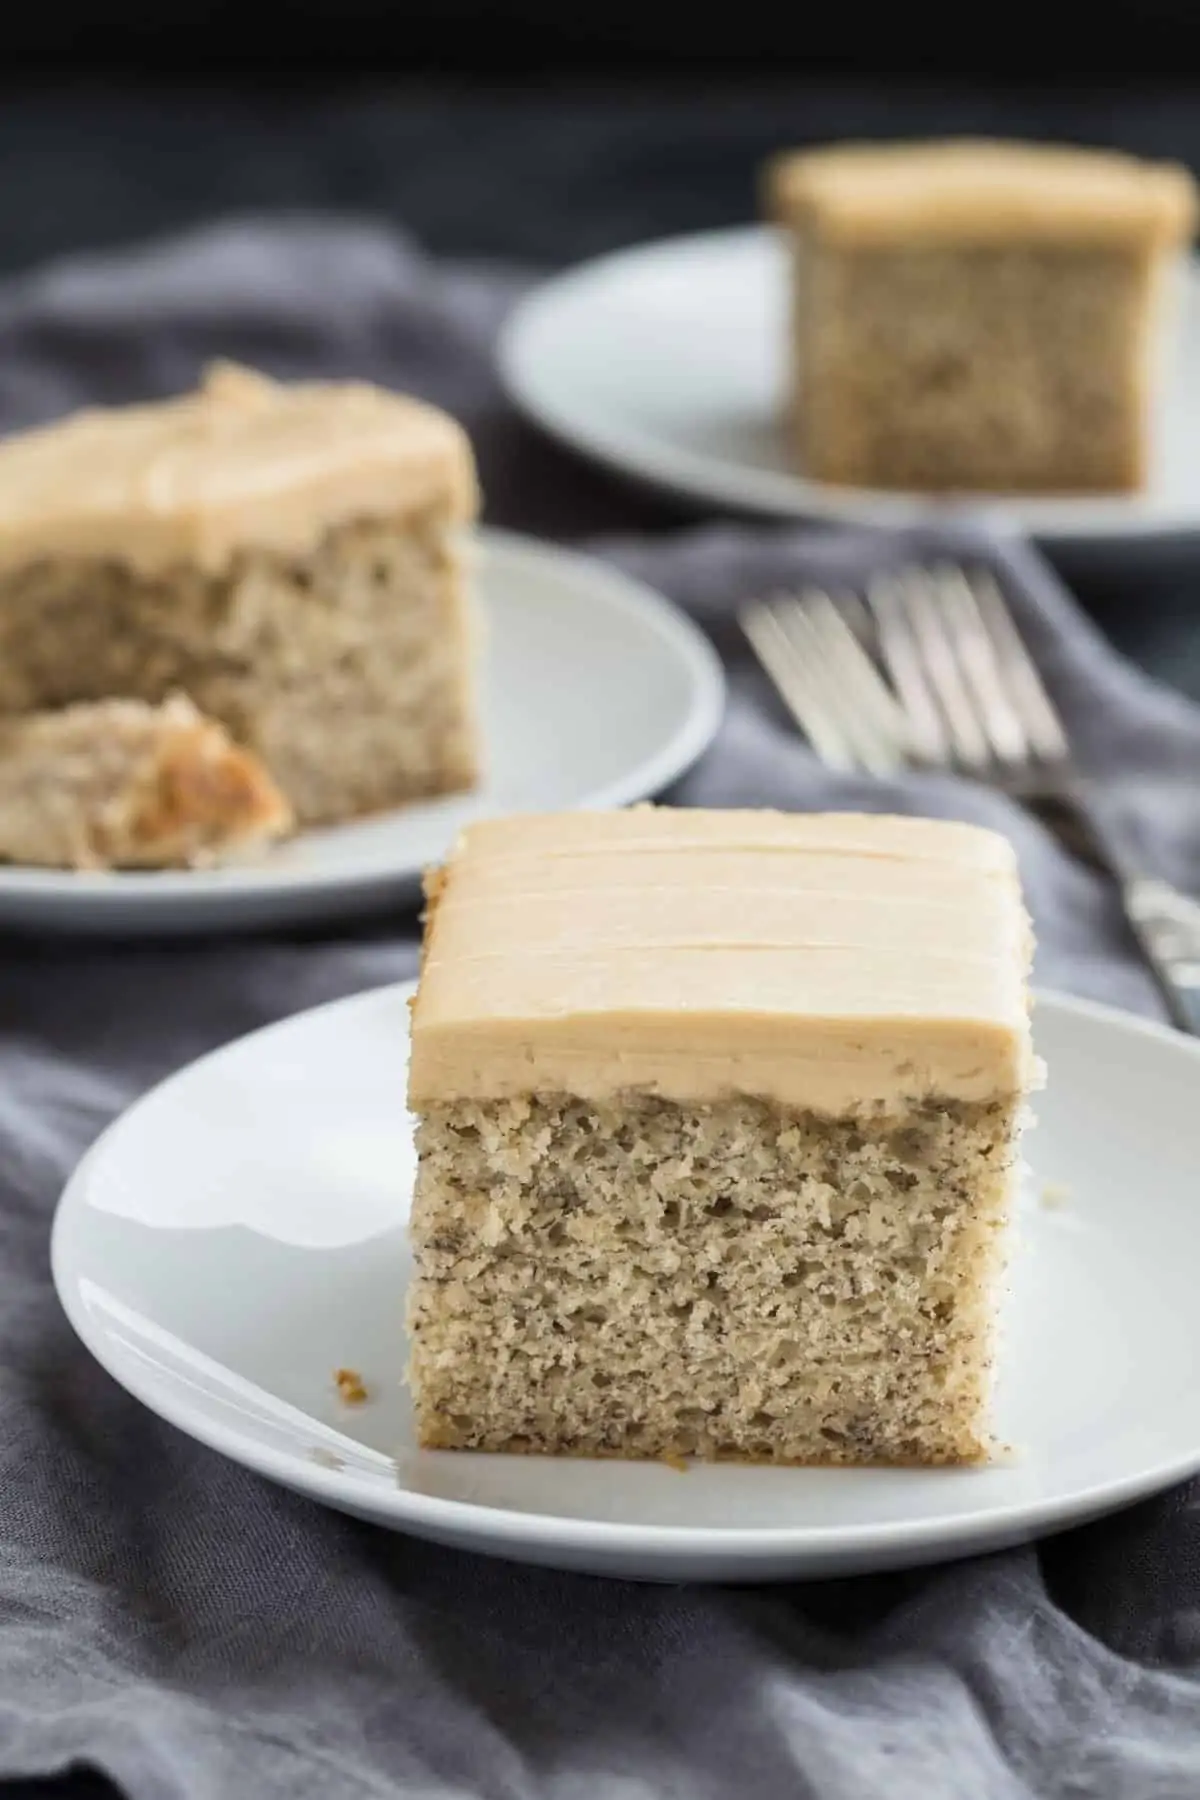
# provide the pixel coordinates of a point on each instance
(347, 671)
(645, 1278)
(964, 368)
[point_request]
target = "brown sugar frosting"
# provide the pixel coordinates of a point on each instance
(825, 961)
(243, 462)
(981, 190)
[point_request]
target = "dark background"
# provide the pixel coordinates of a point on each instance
(544, 169)
(519, 37)
(542, 130)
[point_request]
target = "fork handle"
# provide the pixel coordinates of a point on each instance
(1163, 922)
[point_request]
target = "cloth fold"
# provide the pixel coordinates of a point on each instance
(192, 1632)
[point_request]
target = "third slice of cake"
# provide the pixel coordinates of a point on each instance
(718, 1118)
(975, 315)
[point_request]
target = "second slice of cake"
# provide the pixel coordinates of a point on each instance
(286, 555)
(718, 1116)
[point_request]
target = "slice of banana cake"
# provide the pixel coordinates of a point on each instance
(718, 1122)
(285, 554)
(977, 315)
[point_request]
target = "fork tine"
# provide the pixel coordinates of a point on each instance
(857, 615)
(901, 657)
(1043, 728)
(871, 712)
(920, 596)
(793, 681)
(810, 651)
(807, 621)
(979, 663)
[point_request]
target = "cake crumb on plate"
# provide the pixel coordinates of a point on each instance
(352, 1389)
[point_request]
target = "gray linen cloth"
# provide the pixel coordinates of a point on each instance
(196, 1634)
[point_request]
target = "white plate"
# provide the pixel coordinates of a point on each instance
(596, 692)
(667, 364)
(240, 1233)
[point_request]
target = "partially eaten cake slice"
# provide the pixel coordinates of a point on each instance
(718, 1122)
(289, 555)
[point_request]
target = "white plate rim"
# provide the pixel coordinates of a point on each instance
(465, 1520)
(772, 493)
(115, 890)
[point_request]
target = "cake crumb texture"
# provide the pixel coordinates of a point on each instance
(989, 368)
(126, 785)
(349, 673)
(649, 1279)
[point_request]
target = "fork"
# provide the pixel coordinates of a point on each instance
(928, 669)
